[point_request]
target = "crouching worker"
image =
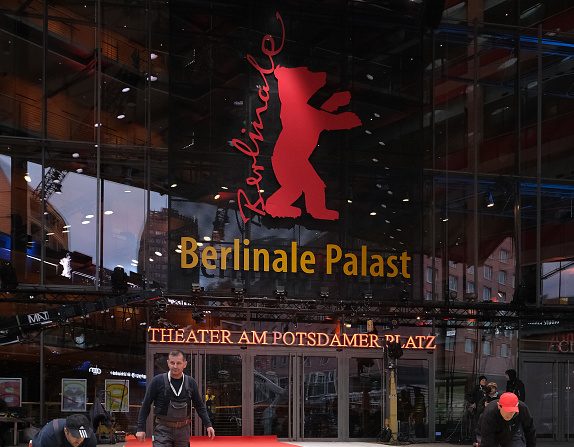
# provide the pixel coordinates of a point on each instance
(75, 430)
(506, 422)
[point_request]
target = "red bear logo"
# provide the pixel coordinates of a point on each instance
(302, 125)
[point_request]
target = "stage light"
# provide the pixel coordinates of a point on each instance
(324, 293)
(490, 200)
(404, 295)
(196, 289)
(198, 317)
(394, 352)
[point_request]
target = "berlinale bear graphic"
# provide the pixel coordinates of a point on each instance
(302, 124)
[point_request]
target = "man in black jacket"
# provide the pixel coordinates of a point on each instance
(507, 423)
(73, 431)
(515, 385)
(172, 394)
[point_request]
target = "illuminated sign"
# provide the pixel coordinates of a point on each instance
(290, 261)
(563, 344)
(95, 370)
(128, 374)
(39, 318)
(276, 338)
(301, 127)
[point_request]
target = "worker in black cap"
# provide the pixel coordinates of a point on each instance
(73, 431)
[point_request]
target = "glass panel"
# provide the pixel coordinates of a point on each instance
(413, 397)
(557, 213)
(557, 107)
(70, 82)
(21, 209)
(366, 382)
(5, 207)
(21, 86)
(272, 393)
(70, 190)
(320, 397)
(124, 219)
(224, 389)
(542, 397)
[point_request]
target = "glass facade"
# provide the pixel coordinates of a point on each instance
(331, 163)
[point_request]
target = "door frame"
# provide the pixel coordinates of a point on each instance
(562, 386)
(248, 352)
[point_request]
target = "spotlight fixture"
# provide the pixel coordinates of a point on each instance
(238, 291)
(196, 288)
(198, 316)
(404, 295)
(160, 309)
(280, 292)
(394, 352)
(490, 200)
(324, 293)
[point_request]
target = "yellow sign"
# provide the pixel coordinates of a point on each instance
(291, 261)
(276, 338)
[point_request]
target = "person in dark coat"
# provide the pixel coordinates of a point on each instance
(474, 398)
(477, 394)
(515, 385)
(507, 423)
(491, 391)
(491, 395)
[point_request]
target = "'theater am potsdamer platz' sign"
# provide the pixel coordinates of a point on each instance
(288, 338)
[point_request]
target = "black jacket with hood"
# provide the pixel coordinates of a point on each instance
(515, 385)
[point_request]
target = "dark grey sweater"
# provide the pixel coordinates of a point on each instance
(157, 395)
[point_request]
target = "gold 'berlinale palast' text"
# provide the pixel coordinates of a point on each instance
(240, 256)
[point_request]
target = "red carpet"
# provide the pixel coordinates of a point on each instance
(219, 441)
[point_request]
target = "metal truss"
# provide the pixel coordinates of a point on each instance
(239, 307)
(453, 314)
(49, 309)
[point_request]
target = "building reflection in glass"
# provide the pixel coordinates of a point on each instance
(271, 395)
(366, 397)
(320, 397)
